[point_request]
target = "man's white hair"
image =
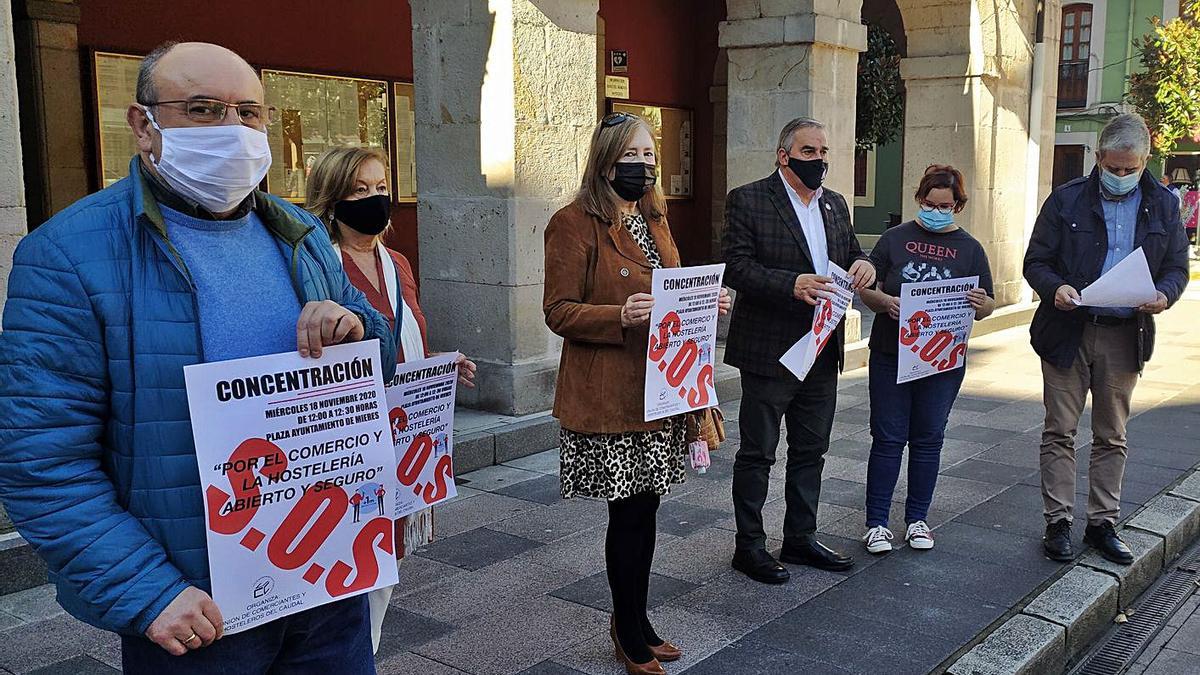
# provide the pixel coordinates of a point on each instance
(1126, 133)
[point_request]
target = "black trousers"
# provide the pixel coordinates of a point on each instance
(808, 409)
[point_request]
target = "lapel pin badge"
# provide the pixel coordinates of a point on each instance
(624, 271)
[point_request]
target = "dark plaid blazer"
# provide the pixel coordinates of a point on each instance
(765, 250)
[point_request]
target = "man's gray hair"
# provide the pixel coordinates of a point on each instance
(146, 92)
(789, 131)
(1126, 133)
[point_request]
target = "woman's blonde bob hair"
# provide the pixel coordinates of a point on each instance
(609, 142)
(332, 180)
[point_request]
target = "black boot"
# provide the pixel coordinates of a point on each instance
(1057, 541)
(1103, 538)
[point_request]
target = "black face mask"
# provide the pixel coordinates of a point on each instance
(632, 179)
(368, 215)
(811, 172)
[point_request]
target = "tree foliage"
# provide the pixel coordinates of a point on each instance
(880, 91)
(1167, 91)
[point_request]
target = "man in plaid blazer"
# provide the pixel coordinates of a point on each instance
(781, 233)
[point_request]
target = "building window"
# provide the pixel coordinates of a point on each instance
(316, 113)
(116, 89)
(673, 132)
(406, 155)
(1073, 59)
(864, 177)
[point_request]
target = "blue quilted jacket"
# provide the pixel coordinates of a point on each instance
(97, 466)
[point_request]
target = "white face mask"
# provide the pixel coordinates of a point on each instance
(215, 166)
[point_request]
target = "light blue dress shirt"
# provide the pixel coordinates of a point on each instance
(1120, 220)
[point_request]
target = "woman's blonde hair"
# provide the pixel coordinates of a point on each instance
(609, 141)
(332, 180)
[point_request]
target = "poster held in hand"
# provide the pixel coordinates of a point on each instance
(420, 401)
(827, 314)
(681, 354)
(295, 458)
(935, 322)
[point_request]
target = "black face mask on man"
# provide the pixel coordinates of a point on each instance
(631, 180)
(368, 215)
(811, 172)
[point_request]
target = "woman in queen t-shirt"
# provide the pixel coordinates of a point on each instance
(930, 248)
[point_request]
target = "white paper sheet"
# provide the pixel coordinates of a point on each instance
(420, 400)
(1127, 284)
(681, 353)
(826, 316)
(936, 321)
(294, 459)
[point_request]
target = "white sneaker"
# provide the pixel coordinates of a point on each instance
(878, 539)
(919, 536)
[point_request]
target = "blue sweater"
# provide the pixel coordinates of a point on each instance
(243, 290)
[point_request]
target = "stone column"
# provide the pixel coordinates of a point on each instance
(506, 101)
(968, 77)
(787, 59)
(52, 108)
(12, 188)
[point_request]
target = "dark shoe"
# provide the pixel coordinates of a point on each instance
(815, 554)
(1057, 541)
(760, 566)
(652, 667)
(1103, 538)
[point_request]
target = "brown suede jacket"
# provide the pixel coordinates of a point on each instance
(592, 267)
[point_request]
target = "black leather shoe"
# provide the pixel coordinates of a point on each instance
(760, 566)
(1057, 541)
(1103, 538)
(815, 554)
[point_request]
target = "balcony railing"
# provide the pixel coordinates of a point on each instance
(1072, 84)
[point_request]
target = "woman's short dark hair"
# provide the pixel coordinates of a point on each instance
(944, 176)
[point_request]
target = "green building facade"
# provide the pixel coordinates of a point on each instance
(1096, 57)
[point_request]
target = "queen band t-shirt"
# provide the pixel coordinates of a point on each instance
(909, 253)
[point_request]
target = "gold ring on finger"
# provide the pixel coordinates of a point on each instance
(191, 637)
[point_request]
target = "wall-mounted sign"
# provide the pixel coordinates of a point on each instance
(618, 60)
(616, 86)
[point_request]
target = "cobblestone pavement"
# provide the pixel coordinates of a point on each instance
(515, 581)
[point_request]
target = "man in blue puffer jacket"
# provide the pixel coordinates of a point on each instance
(182, 262)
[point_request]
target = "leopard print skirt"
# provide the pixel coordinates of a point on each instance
(616, 466)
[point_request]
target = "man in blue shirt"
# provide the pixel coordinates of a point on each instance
(182, 262)
(1085, 228)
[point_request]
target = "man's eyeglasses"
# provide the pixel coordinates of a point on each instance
(211, 110)
(929, 208)
(613, 119)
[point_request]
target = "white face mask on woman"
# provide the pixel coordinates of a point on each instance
(215, 166)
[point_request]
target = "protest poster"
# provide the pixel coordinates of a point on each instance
(935, 322)
(295, 464)
(680, 356)
(420, 400)
(827, 314)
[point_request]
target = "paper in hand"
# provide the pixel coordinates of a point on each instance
(1127, 284)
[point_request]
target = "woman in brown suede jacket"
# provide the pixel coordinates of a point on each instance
(600, 251)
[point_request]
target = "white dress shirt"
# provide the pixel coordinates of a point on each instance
(812, 225)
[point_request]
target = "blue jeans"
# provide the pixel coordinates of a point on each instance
(333, 638)
(913, 414)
